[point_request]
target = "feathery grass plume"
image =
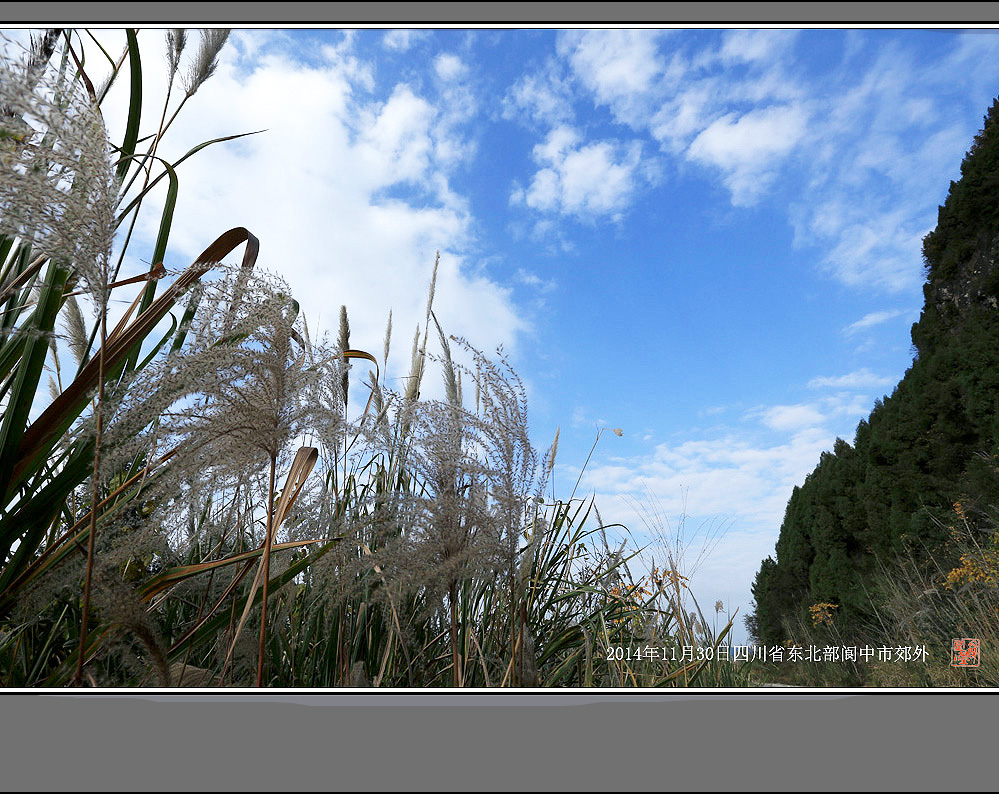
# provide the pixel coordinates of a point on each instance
(118, 605)
(39, 53)
(430, 295)
(231, 402)
(104, 86)
(416, 367)
(451, 391)
(237, 394)
(473, 479)
(76, 330)
(388, 341)
(42, 47)
(59, 195)
(55, 384)
(176, 40)
(452, 537)
(57, 185)
(510, 457)
(205, 62)
(230, 407)
(548, 464)
(515, 484)
(343, 335)
(45, 125)
(343, 343)
(420, 350)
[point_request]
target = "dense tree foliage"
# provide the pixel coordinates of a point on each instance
(927, 446)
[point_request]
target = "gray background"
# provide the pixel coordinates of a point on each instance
(815, 741)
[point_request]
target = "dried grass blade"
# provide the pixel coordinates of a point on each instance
(173, 576)
(301, 467)
(362, 354)
(304, 461)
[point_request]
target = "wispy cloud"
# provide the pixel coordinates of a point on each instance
(449, 66)
(543, 98)
(856, 152)
(859, 379)
(748, 149)
(727, 476)
(872, 319)
(534, 281)
(885, 149)
(792, 417)
(619, 67)
(404, 39)
(756, 46)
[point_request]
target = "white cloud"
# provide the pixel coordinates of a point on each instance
(792, 417)
(748, 148)
(756, 45)
(686, 114)
(395, 144)
(560, 140)
(672, 100)
(818, 414)
(403, 40)
(727, 476)
(449, 67)
(742, 141)
(535, 281)
(747, 473)
(873, 140)
(869, 241)
(584, 180)
(542, 98)
(620, 67)
(858, 379)
(871, 319)
(882, 250)
(886, 146)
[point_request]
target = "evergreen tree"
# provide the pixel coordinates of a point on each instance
(931, 443)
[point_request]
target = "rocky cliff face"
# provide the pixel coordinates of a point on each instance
(971, 287)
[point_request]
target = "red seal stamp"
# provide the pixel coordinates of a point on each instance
(966, 653)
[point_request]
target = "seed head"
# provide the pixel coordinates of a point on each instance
(206, 61)
(57, 185)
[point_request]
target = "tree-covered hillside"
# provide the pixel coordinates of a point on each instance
(925, 451)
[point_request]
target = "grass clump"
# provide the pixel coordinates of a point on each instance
(923, 613)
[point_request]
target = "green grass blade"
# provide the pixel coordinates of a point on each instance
(173, 576)
(29, 370)
(134, 105)
(208, 632)
(138, 199)
(28, 520)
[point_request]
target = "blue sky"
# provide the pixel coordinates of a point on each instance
(709, 239)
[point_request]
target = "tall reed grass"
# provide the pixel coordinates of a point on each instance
(197, 505)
